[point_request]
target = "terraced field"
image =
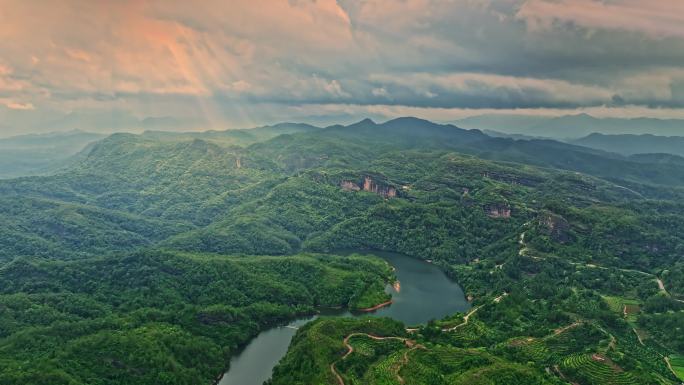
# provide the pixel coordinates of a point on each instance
(372, 361)
(451, 360)
(596, 369)
(646, 354)
(531, 348)
(499, 373)
(469, 333)
(362, 345)
(385, 371)
(629, 308)
(677, 362)
(448, 365)
(398, 362)
(566, 343)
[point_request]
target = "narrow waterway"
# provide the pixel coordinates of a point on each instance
(425, 293)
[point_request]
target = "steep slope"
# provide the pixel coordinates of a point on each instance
(563, 267)
(354, 144)
(155, 178)
(157, 317)
(297, 190)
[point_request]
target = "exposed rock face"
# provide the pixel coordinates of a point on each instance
(557, 227)
(349, 186)
(371, 186)
(498, 211)
(385, 191)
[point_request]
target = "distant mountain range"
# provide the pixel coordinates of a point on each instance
(571, 126)
(241, 137)
(40, 153)
(607, 156)
(634, 144)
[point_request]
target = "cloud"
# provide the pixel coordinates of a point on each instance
(325, 114)
(18, 106)
(663, 18)
(380, 92)
(162, 47)
(229, 63)
(458, 89)
(8, 84)
(332, 87)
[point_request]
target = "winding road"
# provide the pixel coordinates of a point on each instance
(408, 342)
(350, 350)
(465, 320)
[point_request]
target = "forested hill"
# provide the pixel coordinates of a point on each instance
(270, 197)
(283, 194)
(501, 215)
(405, 133)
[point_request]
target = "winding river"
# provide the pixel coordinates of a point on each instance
(425, 293)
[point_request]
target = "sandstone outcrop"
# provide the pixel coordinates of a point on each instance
(385, 191)
(349, 186)
(368, 184)
(498, 210)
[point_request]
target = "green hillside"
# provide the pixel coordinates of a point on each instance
(151, 317)
(113, 251)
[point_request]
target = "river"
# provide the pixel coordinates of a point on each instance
(425, 293)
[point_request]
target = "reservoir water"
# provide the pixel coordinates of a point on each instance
(425, 293)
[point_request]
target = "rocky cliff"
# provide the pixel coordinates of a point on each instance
(349, 186)
(370, 185)
(498, 210)
(385, 191)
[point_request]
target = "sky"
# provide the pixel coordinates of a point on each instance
(114, 65)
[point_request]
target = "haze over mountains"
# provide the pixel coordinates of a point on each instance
(634, 144)
(269, 192)
(161, 253)
(153, 176)
(35, 154)
(500, 137)
(572, 126)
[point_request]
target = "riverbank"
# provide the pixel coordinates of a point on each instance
(376, 307)
(425, 293)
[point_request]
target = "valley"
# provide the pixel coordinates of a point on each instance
(425, 294)
(342, 192)
(174, 251)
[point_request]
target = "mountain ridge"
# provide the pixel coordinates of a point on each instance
(572, 126)
(630, 144)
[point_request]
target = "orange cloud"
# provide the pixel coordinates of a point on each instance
(160, 47)
(18, 106)
(217, 58)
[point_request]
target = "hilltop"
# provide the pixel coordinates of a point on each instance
(498, 214)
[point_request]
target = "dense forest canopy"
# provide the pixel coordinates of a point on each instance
(150, 258)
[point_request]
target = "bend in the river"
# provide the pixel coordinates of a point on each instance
(426, 293)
